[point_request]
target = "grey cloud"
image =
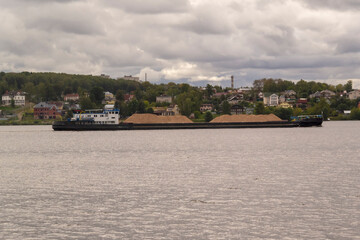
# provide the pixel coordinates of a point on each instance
(247, 38)
(348, 45)
(333, 4)
(77, 19)
(70, 25)
(149, 7)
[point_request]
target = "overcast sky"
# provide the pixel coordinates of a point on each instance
(195, 41)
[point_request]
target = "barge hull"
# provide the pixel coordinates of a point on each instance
(79, 126)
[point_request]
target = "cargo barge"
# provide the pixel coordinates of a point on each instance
(85, 125)
(92, 120)
(100, 120)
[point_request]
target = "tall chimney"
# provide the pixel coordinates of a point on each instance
(232, 82)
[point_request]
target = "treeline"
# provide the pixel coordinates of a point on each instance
(302, 88)
(51, 86)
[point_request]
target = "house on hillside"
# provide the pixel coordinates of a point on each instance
(206, 107)
(274, 100)
(172, 110)
(353, 95)
(290, 93)
(128, 97)
(282, 99)
(74, 97)
(164, 99)
(317, 94)
(108, 96)
(59, 105)
(285, 105)
(327, 94)
(44, 110)
(131, 78)
(237, 110)
(271, 99)
(235, 99)
(159, 110)
(17, 96)
(302, 103)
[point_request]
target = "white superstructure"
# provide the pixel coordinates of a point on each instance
(98, 116)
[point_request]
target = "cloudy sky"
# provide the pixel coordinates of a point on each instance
(195, 41)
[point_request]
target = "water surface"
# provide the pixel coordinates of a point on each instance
(295, 183)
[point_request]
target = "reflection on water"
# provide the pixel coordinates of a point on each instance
(300, 183)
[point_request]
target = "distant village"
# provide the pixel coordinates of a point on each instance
(216, 100)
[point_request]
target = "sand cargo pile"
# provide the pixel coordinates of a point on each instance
(246, 118)
(148, 118)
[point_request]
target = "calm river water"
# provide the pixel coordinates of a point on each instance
(298, 183)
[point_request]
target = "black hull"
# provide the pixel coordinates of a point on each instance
(311, 122)
(86, 126)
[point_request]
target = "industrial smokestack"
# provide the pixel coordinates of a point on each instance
(232, 82)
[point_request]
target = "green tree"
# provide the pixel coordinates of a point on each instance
(348, 86)
(97, 95)
(119, 95)
(186, 107)
(132, 107)
(226, 107)
(355, 114)
(284, 113)
(297, 111)
(86, 103)
(208, 116)
(12, 103)
(141, 107)
(322, 107)
(259, 108)
(209, 91)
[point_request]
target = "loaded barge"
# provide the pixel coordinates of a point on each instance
(90, 125)
(92, 120)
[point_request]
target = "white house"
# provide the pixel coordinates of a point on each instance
(18, 97)
(271, 100)
(274, 100)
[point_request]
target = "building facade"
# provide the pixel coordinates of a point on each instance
(17, 96)
(44, 110)
(131, 78)
(274, 100)
(353, 95)
(72, 97)
(206, 107)
(164, 99)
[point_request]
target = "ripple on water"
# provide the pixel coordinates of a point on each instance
(184, 184)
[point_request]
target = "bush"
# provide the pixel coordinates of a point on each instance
(208, 117)
(355, 114)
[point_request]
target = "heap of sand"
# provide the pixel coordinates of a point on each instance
(152, 118)
(246, 118)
